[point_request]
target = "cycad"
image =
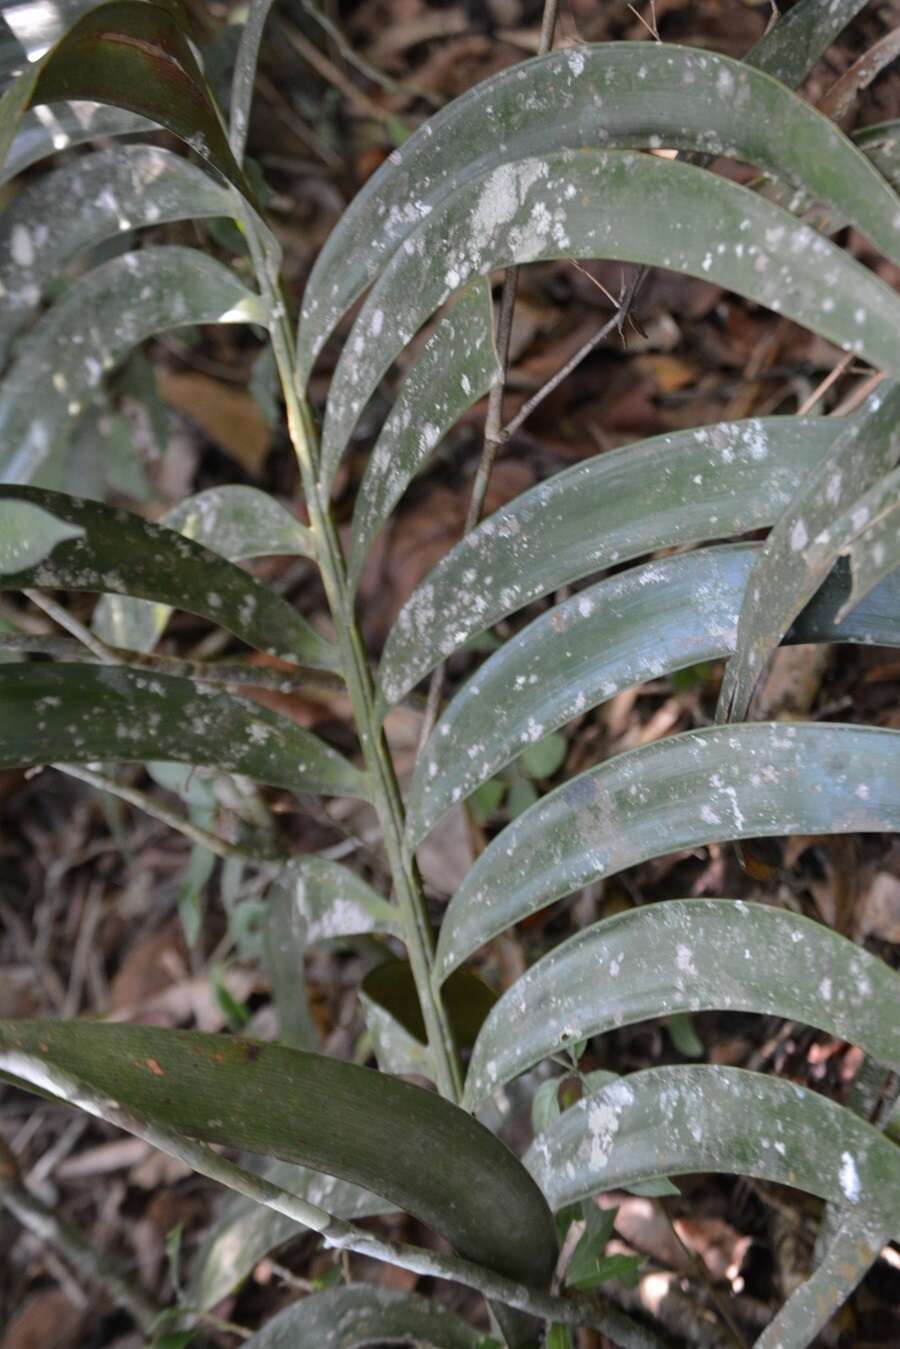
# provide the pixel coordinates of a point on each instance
(542, 161)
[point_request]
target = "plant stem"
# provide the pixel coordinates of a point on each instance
(376, 755)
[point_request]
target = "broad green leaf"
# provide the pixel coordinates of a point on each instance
(396, 1050)
(364, 1127)
(873, 549)
(245, 75)
(29, 534)
(645, 622)
(234, 521)
(115, 551)
(674, 489)
(457, 367)
(343, 1318)
(794, 43)
(76, 207)
(135, 56)
(688, 790)
(621, 95)
(247, 1232)
(806, 541)
(101, 316)
(850, 1255)
(685, 955)
(314, 899)
(45, 130)
(625, 207)
(82, 713)
(699, 1118)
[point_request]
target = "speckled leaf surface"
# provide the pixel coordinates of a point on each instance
(314, 899)
(247, 1232)
(616, 95)
(74, 208)
(698, 1118)
(643, 623)
(244, 77)
(673, 489)
(688, 955)
(110, 310)
(364, 1127)
(623, 207)
(28, 535)
(873, 534)
(806, 541)
(685, 791)
(457, 367)
(60, 126)
(83, 713)
(117, 551)
(233, 521)
(794, 43)
(345, 1318)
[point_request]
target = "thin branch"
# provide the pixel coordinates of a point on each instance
(72, 625)
(228, 674)
(141, 801)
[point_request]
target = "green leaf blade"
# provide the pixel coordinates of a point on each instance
(83, 713)
(112, 550)
(688, 790)
(655, 961)
(29, 534)
(697, 1118)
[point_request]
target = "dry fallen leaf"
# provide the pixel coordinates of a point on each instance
(230, 416)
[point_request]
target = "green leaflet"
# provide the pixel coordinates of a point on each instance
(794, 43)
(29, 534)
(674, 489)
(853, 1250)
(688, 955)
(135, 56)
(394, 1015)
(233, 521)
(806, 541)
(343, 1318)
(314, 899)
(719, 783)
(638, 625)
(245, 75)
(116, 551)
(110, 309)
(873, 548)
(76, 207)
(29, 29)
(45, 130)
(621, 206)
(247, 1232)
(617, 95)
(699, 1118)
(364, 1127)
(457, 367)
(83, 713)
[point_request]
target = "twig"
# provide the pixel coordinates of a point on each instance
(819, 392)
(362, 65)
(220, 846)
(226, 673)
(91, 1264)
(72, 625)
(325, 67)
